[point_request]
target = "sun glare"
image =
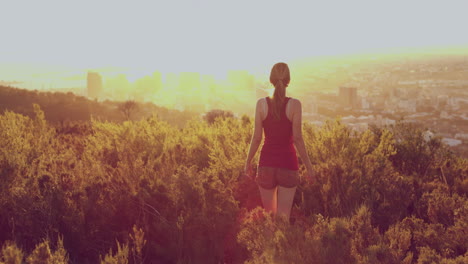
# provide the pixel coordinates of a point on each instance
(168, 53)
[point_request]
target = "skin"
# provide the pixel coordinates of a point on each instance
(279, 199)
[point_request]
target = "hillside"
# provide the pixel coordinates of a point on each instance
(68, 107)
(155, 193)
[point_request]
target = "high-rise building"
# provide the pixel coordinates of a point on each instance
(94, 85)
(348, 97)
(147, 87)
(118, 87)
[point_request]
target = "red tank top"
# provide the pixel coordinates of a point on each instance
(278, 149)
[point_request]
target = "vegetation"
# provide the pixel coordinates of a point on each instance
(61, 108)
(127, 108)
(212, 115)
(150, 192)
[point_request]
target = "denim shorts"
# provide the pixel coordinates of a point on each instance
(269, 177)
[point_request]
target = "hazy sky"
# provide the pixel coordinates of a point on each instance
(213, 36)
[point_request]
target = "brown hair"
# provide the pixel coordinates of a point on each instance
(280, 78)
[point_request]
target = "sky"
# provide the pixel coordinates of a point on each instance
(213, 36)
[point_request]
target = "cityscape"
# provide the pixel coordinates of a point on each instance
(361, 90)
(430, 91)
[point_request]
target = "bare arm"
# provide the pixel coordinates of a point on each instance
(297, 135)
(256, 139)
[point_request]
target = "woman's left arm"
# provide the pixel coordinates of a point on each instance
(256, 139)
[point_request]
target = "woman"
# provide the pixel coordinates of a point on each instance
(280, 118)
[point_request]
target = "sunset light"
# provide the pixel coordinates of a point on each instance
(53, 44)
(233, 131)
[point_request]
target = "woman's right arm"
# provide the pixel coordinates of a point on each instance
(297, 136)
(256, 139)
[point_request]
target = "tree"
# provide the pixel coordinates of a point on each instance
(212, 115)
(127, 108)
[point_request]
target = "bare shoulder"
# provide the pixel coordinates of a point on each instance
(261, 104)
(261, 108)
(295, 103)
(261, 101)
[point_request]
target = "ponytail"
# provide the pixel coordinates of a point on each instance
(280, 78)
(278, 99)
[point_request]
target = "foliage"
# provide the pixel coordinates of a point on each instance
(65, 108)
(212, 115)
(120, 257)
(128, 108)
(174, 194)
(42, 253)
(11, 254)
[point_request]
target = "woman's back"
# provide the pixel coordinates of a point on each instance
(277, 132)
(278, 149)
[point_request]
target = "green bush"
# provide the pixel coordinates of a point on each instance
(176, 195)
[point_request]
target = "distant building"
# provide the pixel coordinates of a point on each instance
(365, 103)
(348, 97)
(451, 141)
(461, 136)
(310, 105)
(94, 85)
(147, 87)
(428, 135)
(405, 106)
(118, 87)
